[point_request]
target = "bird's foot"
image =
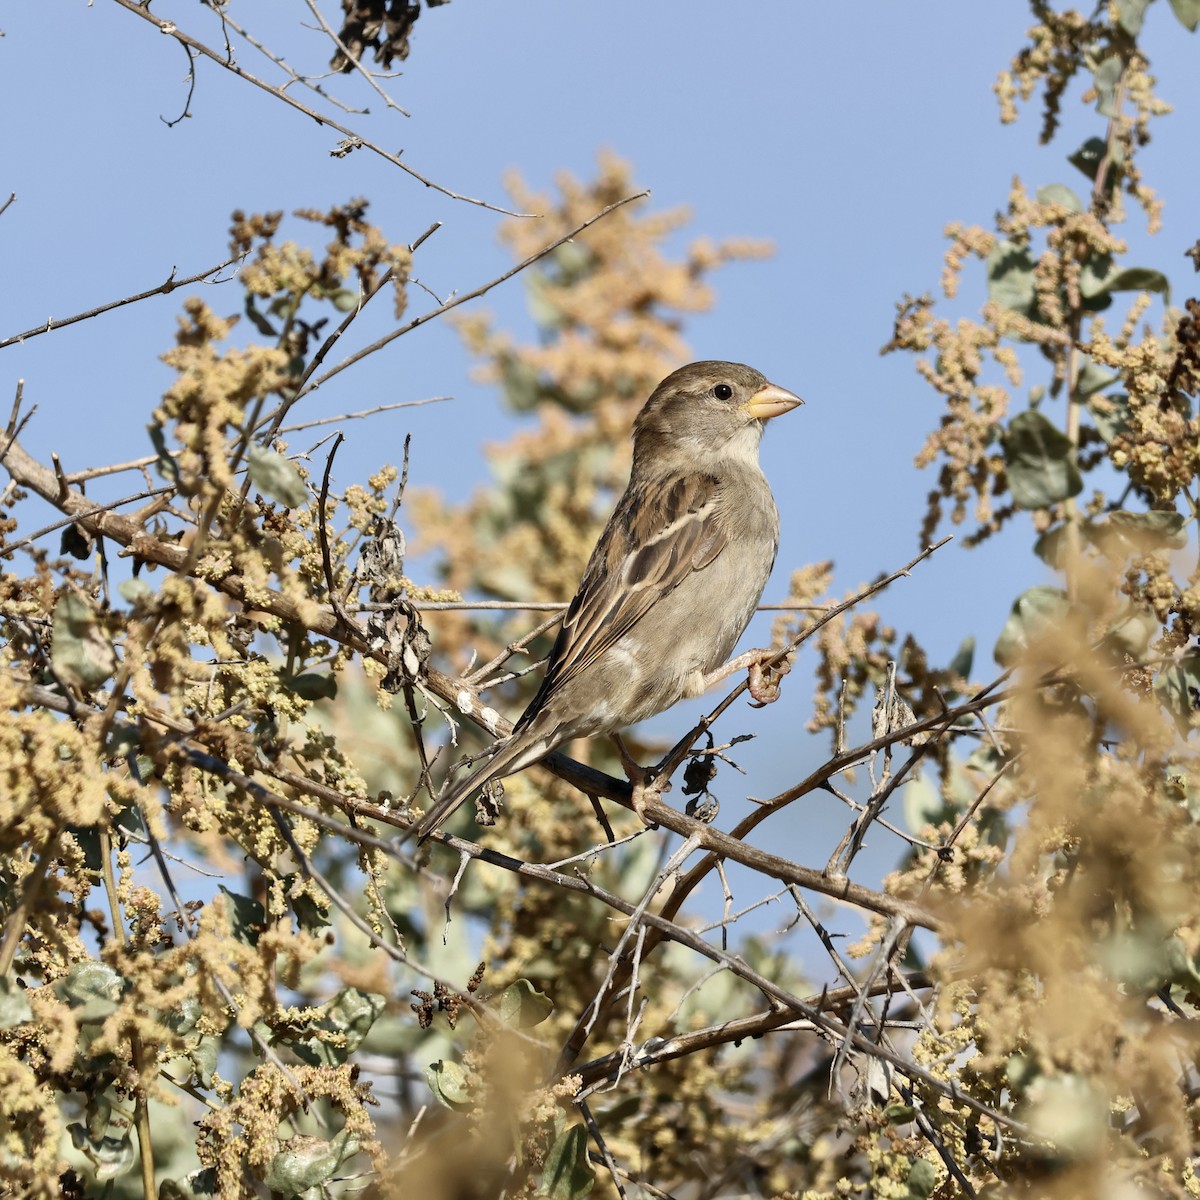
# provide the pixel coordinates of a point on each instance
(765, 676)
(641, 779)
(766, 669)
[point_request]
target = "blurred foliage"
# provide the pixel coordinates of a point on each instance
(221, 976)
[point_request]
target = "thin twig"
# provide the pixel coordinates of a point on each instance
(163, 289)
(74, 518)
(354, 62)
(364, 412)
(425, 317)
(172, 30)
(304, 80)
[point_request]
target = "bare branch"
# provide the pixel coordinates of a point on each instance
(172, 30)
(163, 289)
(424, 318)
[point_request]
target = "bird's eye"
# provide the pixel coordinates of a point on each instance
(722, 391)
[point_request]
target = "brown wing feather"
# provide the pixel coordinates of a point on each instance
(654, 540)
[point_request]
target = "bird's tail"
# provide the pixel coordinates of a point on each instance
(516, 753)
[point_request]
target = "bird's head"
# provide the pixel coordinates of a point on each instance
(708, 410)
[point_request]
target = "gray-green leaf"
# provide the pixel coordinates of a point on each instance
(922, 1179)
(1089, 156)
(305, 1162)
(448, 1082)
(312, 685)
(14, 1005)
(1039, 462)
(1130, 14)
(1106, 77)
(1060, 194)
(1035, 613)
(247, 917)
(1178, 690)
(522, 1005)
(1188, 12)
(1111, 414)
(92, 989)
(1148, 530)
(135, 590)
(1099, 277)
(1093, 378)
(1010, 277)
(567, 1174)
(274, 476)
(82, 653)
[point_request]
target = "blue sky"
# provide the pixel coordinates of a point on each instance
(849, 135)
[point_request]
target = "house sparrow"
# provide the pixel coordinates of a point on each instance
(673, 580)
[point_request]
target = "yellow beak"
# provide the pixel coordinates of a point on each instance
(771, 401)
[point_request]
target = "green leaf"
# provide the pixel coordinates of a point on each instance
(547, 313)
(1060, 194)
(1111, 414)
(76, 542)
(899, 1114)
(449, 1083)
(1093, 275)
(135, 591)
(1181, 965)
(1093, 378)
(203, 1057)
(14, 1005)
(1178, 690)
(1020, 1070)
(109, 1156)
(1089, 156)
(1039, 462)
(1106, 77)
(195, 1185)
(1010, 277)
(81, 653)
(574, 262)
(1140, 279)
(522, 383)
(1051, 545)
(1069, 1114)
(1098, 277)
(1035, 613)
(258, 320)
(274, 476)
(522, 1005)
(247, 917)
(351, 1013)
(1137, 958)
(1130, 14)
(923, 804)
(311, 685)
(305, 1162)
(310, 915)
(1188, 12)
(92, 989)
(1132, 632)
(165, 465)
(922, 1179)
(964, 658)
(1146, 531)
(345, 300)
(567, 1174)
(1182, 787)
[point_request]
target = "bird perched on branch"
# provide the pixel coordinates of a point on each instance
(673, 580)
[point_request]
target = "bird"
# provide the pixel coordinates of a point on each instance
(673, 580)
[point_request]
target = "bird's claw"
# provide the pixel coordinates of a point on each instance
(765, 674)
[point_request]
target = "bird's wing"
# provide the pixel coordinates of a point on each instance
(658, 535)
